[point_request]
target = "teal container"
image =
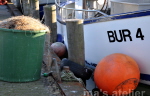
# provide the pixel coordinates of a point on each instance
(21, 55)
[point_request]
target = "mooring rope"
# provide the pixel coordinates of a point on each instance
(67, 75)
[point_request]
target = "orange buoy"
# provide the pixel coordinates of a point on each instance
(117, 74)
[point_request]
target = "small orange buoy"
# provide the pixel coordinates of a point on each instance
(117, 74)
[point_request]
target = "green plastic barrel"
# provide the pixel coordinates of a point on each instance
(21, 55)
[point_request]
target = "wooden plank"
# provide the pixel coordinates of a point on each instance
(57, 70)
(73, 89)
(31, 8)
(18, 3)
(50, 21)
(34, 8)
(75, 39)
(13, 9)
(26, 7)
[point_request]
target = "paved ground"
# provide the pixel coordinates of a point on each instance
(4, 12)
(35, 88)
(45, 86)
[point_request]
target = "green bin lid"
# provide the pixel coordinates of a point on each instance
(23, 31)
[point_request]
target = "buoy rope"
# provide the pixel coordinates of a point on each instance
(70, 77)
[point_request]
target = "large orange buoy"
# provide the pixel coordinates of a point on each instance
(117, 74)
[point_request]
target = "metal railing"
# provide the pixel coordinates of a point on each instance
(69, 13)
